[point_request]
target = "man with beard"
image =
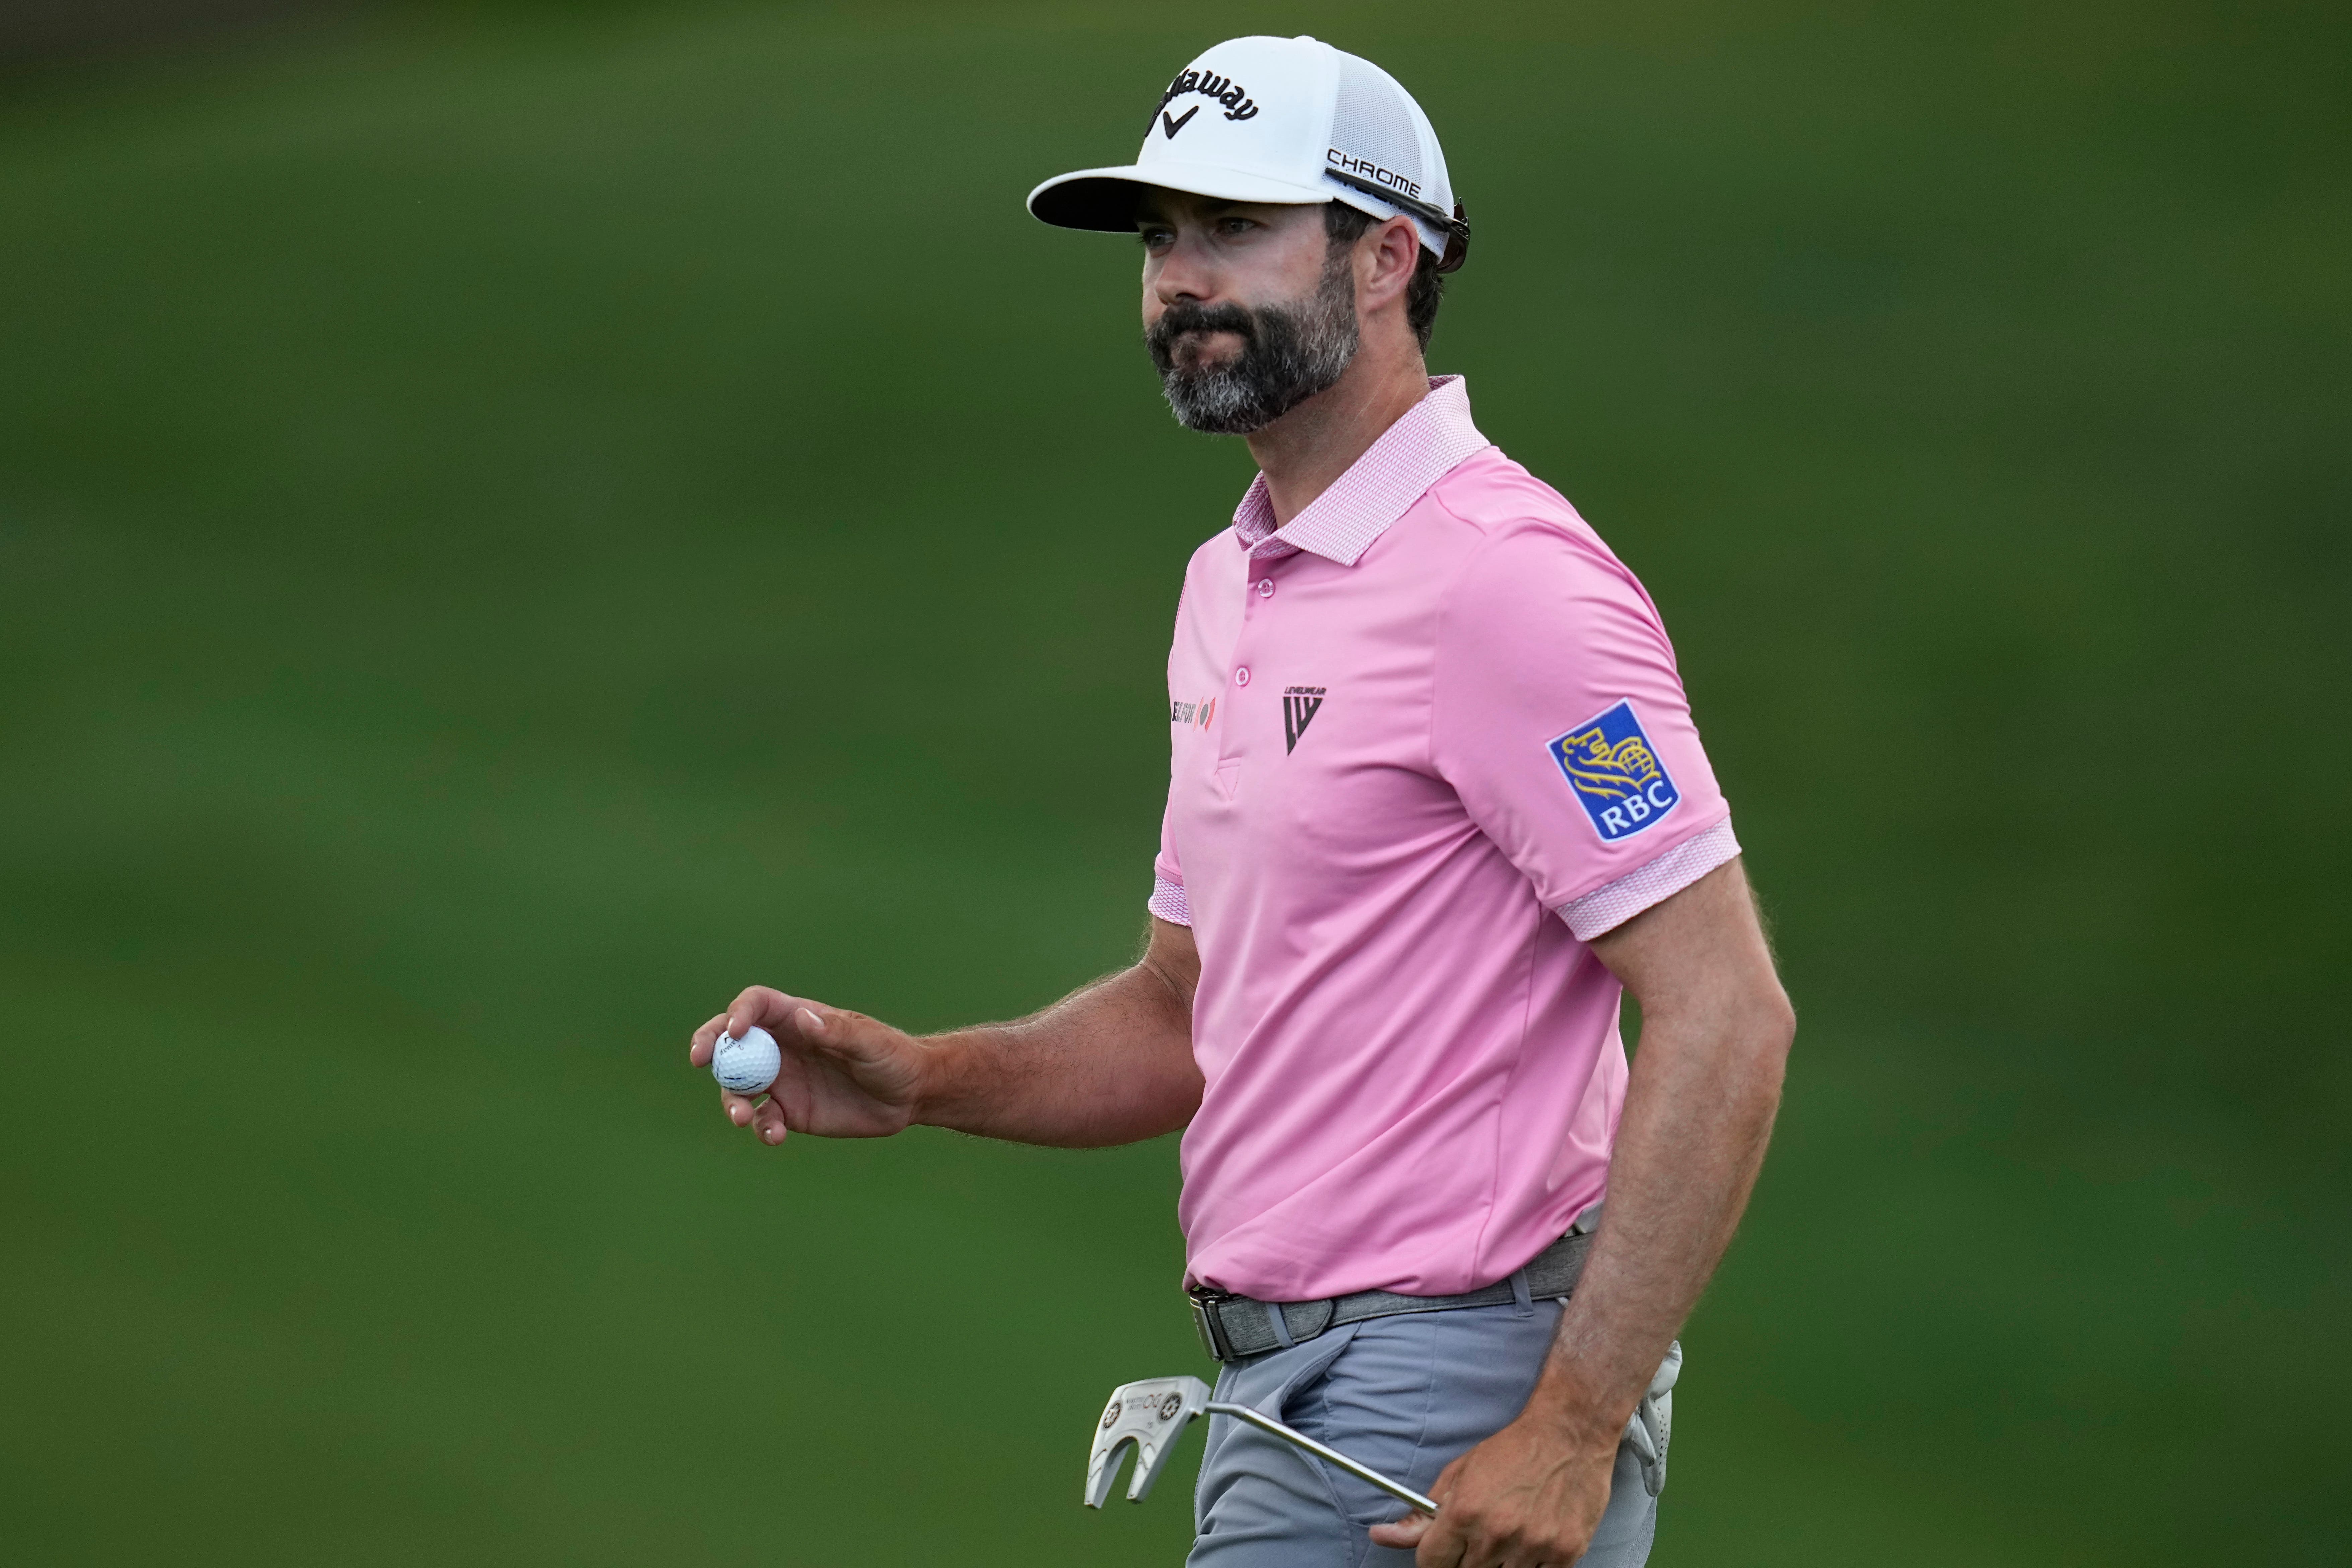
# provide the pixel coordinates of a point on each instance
(1435, 800)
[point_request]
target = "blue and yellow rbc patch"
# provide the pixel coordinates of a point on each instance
(1615, 772)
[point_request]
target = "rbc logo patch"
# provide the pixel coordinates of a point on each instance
(1615, 773)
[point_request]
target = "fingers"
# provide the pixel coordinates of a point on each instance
(812, 1025)
(764, 1117)
(1439, 1543)
(770, 1009)
(1460, 1539)
(766, 1006)
(791, 1019)
(704, 1040)
(1402, 1533)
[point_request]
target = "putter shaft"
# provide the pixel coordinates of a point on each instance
(1263, 1423)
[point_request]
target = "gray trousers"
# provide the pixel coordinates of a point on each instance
(1406, 1396)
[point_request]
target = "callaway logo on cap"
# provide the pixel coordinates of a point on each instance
(1279, 119)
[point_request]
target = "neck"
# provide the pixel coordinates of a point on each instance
(1310, 447)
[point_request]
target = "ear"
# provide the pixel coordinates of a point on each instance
(1385, 259)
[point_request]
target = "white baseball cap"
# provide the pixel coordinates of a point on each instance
(1279, 119)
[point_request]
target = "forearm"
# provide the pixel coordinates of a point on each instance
(1715, 1029)
(1698, 1113)
(1111, 1063)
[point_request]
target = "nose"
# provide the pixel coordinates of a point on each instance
(1185, 273)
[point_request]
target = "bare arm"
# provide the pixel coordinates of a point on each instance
(1716, 1031)
(1110, 1063)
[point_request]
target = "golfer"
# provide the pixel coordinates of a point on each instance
(1435, 800)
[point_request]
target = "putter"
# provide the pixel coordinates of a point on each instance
(1153, 1413)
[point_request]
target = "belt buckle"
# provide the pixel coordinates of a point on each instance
(1204, 1302)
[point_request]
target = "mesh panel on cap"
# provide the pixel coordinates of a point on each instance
(1370, 121)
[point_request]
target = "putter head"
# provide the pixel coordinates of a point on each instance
(1151, 1414)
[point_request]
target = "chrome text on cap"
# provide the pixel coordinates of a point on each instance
(1364, 168)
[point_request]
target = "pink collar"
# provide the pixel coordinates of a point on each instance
(1379, 487)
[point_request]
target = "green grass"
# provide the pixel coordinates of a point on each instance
(513, 525)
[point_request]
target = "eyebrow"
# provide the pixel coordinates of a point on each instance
(1149, 212)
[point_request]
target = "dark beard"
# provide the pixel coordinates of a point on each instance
(1289, 352)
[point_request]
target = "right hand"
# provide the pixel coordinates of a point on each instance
(845, 1074)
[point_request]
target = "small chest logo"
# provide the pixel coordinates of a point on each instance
(1299, 706)
(1196, 714)
(1616, 774)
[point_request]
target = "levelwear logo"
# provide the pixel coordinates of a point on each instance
(1615, 772)
(1299, 706)
(1208, 84)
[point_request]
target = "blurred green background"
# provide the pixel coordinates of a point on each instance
(516, 522)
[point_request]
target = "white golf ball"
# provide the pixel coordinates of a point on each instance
(748, 1065)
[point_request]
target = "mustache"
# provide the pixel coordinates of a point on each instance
(1191, 316)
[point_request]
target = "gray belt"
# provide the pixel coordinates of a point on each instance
(1232, 1327)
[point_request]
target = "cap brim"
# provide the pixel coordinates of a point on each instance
(1106, 199)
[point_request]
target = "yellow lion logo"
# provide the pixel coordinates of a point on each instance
(1596, 767)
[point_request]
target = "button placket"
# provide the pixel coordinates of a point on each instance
(1257, 587)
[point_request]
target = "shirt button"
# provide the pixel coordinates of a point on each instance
(1265, 588)
(1241, 675)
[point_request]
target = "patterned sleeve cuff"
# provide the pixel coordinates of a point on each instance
(1611, 905)
(1167, 902)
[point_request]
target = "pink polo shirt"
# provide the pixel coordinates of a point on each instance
(1428, 742)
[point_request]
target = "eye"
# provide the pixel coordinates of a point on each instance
(1233, 225)
(1156, 238)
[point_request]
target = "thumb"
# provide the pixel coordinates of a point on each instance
(828, 1028)
(851, 1038)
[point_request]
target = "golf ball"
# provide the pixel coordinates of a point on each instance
(748, 1065)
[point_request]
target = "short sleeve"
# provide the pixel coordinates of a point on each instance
(1167, 901)
(1560, 721)
(1167, 881)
